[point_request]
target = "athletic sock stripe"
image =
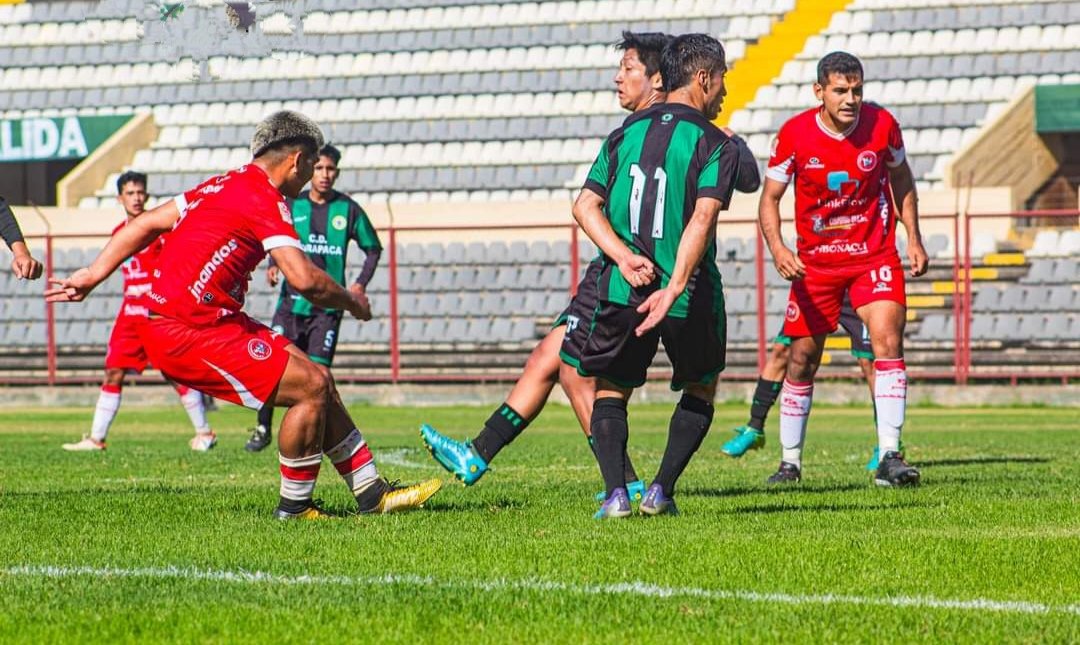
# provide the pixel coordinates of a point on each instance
(356, 461)
(309, 473)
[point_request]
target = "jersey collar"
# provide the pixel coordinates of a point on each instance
(839, 136)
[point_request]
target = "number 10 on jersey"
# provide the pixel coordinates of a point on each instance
(637, 193)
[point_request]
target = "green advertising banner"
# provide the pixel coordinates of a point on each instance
(50, 138)
(1057, 108)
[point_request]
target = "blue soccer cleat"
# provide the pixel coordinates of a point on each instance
(657, 503)
(635, 490)
(872, 464)
(456, 456)
(745, 439)
(615, 506)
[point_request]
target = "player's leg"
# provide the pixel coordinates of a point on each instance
(469, 460)
(696, 346)
(290, 326)
(610, 431)
(192, 400)
(105, 410)
(751, 436)
(813, 312)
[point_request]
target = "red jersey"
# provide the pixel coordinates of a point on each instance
(138, 273)
(843, 204)
(227, 225)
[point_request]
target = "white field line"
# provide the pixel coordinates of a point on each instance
(543, 586)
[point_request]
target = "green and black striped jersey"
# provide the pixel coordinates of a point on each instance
(651, 172)
(324, 231)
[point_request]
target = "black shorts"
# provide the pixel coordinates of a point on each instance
(853, 325)
(579, 313)
(316, 335)
(696, 345)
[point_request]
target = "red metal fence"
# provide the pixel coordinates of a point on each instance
(961, 276)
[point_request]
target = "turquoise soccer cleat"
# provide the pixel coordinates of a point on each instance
(635, 490)
(745, 440)
(872, 464)
(456, 456)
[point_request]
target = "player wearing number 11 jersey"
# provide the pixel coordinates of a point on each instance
(848, 164)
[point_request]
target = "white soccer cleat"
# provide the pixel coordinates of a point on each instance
(203, 441)
(86, 444)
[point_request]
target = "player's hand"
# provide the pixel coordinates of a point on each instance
(637, 270)
(788, 264)
(362, 307)
(272, 274)
(656, 306)
(26, 267)
(72, 289)
(920, 261)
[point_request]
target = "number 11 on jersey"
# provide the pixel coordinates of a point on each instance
(637, 193)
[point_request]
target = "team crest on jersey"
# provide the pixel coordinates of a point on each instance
(867, 160)
(819, 225)
(792, 314)
(339, 223)
(259, 349)
(285, 214)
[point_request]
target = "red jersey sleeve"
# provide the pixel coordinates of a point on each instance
(272, 224)
(896, 154)
(782, 158)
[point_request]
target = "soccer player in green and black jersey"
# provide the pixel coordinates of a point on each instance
(658, 185)
(325, 220)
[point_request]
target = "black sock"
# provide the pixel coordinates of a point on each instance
(368, 498)
(504, 425)
(293, 505)
(689, 425)
(610, 432)
(764, 396)
(265, 416)
(628, 468)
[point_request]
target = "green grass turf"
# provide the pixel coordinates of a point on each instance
(998, 519)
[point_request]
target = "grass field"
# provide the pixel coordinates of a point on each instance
(149, 542)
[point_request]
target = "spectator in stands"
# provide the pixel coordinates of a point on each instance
(848, 163)
(126, 352)
(326, 220)
(24, 266)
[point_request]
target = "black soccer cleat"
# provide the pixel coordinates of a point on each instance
(260, 438)
(894, 471)
(786, 474)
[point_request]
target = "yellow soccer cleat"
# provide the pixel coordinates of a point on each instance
(404, 498)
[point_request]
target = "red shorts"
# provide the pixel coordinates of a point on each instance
(126, 350)
(235, 359)
(814, 303)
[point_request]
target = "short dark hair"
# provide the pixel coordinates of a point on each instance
(129, 177)
(330, 151)
(841, 63)
(649, 46)
(685, 55)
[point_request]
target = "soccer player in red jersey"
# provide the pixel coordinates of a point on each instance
(849, 167)
(126, 352)
(198, 336)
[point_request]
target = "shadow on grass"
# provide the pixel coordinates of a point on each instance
(739, 491)
(765, 509)
(975, 461)
(489, 505)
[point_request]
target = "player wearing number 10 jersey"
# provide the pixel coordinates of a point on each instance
(848, 164)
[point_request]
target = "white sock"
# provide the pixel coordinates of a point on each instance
(795, 401)
(890, 399)
(107, 404)
(353, 460)
(193, 403)
(298, 476)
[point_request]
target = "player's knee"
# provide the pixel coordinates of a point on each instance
(801, 366)
(542, 366)
(780, 353)
(702, 391)
(114, 377)
(317, 384)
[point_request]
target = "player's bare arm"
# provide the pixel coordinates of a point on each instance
(125, 243)
(589, 213)
(696, 237)
(316, 285)
(787, 263)
(907, 200)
